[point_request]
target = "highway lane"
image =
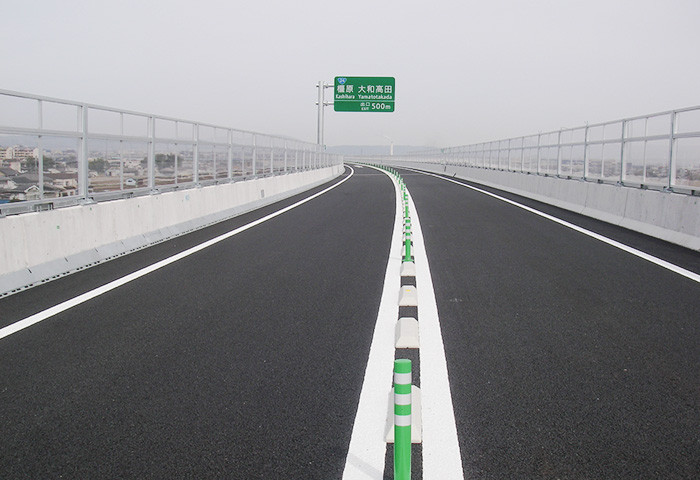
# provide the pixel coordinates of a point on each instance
(244, 360)
(568, 358)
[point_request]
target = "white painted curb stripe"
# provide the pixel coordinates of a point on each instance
(441, 455)
(62, 307)
(367, 448)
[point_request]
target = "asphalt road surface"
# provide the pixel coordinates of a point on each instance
(567, 358)
(244, 360)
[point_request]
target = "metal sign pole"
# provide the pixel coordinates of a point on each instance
(320, 112)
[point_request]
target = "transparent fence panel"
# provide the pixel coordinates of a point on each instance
(165, 163)
(530, 160)
(549, 157)
(646, 162)
(659, 124)
(688, 121)
(42, 139)
(657, 163)
(278, 160)
(135, 160)
(566, 155)
(635, 153)
(184, 166)
(105, 165)
(687, 162)
(238, 153)
(18, 112)
(596, 133)
(248, 161)
(594, 159)
(60, 164)
(613, 131)
(577, 161)
(135, 125)
(20, 177)
(185, 130)
(220, 162)
(578, 135)
(60, 116)
(611, 161)
(515, 158)
(207, 134)
(207, 165)
(104, 122)
(166, 129)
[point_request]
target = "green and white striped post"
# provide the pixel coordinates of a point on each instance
(402, 419)
(407, 249)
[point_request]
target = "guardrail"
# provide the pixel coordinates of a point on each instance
(56, 153)
(659, 151)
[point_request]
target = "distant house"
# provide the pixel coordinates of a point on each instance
(8, 172)
(65, 180)
(6, 183)
(27, 187)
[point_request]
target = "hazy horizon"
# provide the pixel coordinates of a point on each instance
(466, 72)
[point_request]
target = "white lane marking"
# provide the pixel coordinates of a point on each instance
(650, 258)
(367, 448)
(62, 307)
(441, 455)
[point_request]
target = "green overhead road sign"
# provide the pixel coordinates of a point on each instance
(364, 94)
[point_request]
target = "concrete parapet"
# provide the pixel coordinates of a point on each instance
(669, 216)
(35, 247)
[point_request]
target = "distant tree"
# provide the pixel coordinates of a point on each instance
(49, 162)
(99, 165)
(165, 161)
(31, 165)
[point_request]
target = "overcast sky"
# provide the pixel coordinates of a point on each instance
(466, 71)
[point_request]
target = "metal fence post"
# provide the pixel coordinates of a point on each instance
(623, 169)
(83, 154)
(151, 153)
(195, 154)
(671, 160)
(229, 147)
(255, 173)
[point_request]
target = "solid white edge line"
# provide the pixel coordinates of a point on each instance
(441, 454)
(62, 307)
(638, 253)
(367, 449)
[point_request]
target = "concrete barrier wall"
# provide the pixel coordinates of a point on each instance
(669, 216)
(37, 247)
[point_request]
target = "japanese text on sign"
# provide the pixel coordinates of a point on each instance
(364, 94)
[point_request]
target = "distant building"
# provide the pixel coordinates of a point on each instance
(8, 172)
(19, 153)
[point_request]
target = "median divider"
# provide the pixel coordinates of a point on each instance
(404, 419)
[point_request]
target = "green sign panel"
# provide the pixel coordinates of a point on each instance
(364, 94)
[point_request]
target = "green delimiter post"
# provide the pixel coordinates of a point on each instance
(402, 419)
(407, 250)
